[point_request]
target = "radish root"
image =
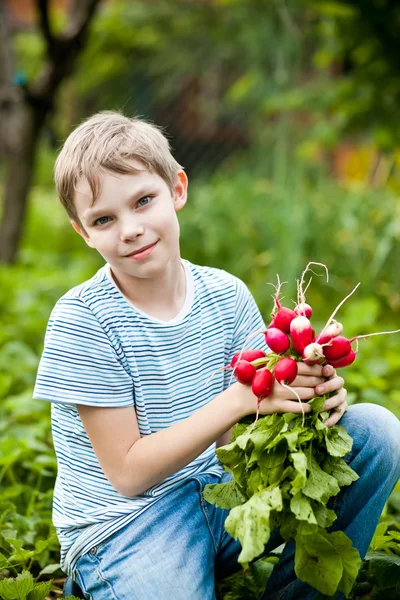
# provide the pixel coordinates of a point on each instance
(301, 297)
(335, 311)
(298, 398)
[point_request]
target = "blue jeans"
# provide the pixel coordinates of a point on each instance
(177, 547)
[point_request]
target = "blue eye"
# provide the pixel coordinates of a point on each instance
(100, 221)
(144, 201)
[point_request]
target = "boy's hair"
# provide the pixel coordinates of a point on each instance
(109, 140)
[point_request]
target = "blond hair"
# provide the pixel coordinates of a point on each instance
(109, 141)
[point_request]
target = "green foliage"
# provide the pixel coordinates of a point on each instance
(249, 225)
(284, 474)
(23, 587)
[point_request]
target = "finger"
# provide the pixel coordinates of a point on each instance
(332, 385)
(336, 400)
(328, 371)
(303, 369)
(308, 381)
(304, 393)
(336, 415)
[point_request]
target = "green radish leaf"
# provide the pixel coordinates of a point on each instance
(317, 403)
(338, 468)
(224, 495)
(237, 430)
(302, 509)
(250, 523)
(234, 459)
(261, 441)
(272, 458)
(288, 527)
(300, 465)
(325, 516)
(338, 441)
(319, 486)
(317, 562)
(255, 482)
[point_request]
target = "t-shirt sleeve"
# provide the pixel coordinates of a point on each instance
(247, 320)
(80, 364)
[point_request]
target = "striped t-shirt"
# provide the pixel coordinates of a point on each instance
(101, 350)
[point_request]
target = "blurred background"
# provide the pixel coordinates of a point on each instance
(285, 115)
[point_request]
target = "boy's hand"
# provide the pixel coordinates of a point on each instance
(307, 386)
(281, 400)
(337, 403)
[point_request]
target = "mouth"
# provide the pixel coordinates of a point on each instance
(142, 252)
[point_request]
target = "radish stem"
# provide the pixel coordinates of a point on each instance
(359, 337)
(335, 311)
(298, 398)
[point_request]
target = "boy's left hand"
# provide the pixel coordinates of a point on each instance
(337, 403)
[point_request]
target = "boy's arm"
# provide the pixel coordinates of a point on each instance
(224, 439)
(133, 464)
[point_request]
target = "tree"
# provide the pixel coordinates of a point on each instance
(24, 108)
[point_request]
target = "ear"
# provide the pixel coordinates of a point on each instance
(180, 190)
(82, 233)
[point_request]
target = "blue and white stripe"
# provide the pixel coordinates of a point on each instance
(100, 350)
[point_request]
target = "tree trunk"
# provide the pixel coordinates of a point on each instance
(19, 172)
(23, 109)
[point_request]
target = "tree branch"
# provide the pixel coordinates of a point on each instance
(66, 49)
(44, 24)
(81, 14)
(6, 66)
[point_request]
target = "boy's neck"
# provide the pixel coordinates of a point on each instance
(161, 298)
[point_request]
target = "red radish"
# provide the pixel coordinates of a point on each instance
(301, 333)
(333, 330)
(283, 317)
(322, 338)
(248, 355)
(313, 354)
(262, 383)
(286, 370)
(338, 348)
(262, 386)
(303, 310)
(244, 371)
(344, 362)
(277, 340)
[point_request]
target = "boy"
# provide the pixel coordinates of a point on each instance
(126, 363)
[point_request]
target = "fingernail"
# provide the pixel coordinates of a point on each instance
(320, 389)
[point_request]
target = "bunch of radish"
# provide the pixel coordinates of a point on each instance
(291, 338)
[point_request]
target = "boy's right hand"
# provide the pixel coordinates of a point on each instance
(281, 400)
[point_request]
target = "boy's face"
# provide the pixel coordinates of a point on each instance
(133, 223)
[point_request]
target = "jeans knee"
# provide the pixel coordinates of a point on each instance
(378, 427)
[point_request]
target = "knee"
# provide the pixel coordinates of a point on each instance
(378, 428)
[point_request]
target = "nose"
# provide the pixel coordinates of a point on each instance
(130, 228)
